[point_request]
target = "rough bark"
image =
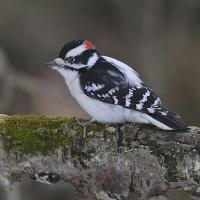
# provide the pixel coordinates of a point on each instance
(150, 163)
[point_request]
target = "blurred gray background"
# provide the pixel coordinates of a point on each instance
(159, 38)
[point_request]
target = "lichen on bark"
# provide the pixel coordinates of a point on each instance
(33, 134)
(150, 163)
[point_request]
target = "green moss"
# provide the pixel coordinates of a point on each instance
(39, 134)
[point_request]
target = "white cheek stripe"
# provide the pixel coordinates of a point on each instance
(76, 51)
(77, 66)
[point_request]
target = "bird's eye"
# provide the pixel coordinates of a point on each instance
(70, 60)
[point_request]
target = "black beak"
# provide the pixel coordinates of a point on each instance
(52, 64)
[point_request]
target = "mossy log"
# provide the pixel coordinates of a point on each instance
(150, 163)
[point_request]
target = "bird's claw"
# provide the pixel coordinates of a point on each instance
(82, 122)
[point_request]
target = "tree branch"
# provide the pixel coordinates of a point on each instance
(150, 163)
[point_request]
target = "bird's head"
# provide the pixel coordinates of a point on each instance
(75, 55)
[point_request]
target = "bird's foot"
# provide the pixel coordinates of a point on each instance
(120, 138)
(84, 124)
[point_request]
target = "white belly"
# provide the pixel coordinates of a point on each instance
(108, 113)
(100, 111)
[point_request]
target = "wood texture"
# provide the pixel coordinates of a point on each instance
(150, 163)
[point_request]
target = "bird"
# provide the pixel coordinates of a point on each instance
(109, 90)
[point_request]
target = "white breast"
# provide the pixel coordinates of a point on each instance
(97, 109)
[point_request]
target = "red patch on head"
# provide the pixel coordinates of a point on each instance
(88, 45)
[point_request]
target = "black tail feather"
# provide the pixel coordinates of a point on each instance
(171, 120)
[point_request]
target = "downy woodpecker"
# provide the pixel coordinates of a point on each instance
(110, 90)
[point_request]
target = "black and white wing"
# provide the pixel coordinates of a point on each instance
(114, 82)
(120, 85)
(113, 89)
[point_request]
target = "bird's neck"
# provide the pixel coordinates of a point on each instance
(93, 59)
